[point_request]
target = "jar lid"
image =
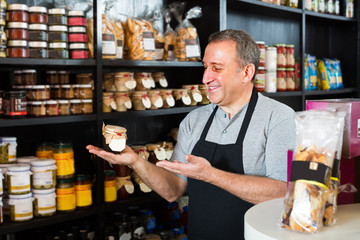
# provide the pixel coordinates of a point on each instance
(17, 71)
(51, 102)
(19, 86)
(38, 87)
(108, 93)
(22, 7)
(270, 71)
(17, 43)
(54, 11)
(62, 145)
(114, 129)
(42, 162)
(109, 173)
(66, 86)
(58, 28)
(19, 167)
(139, 93)
(42, 27)
(54, 86)
(280, 69)
(75, 101)
(43, 191)
(38, 9)
(8, 139)
(76, 13)
(280, 45)
(17, 25)
(260, 42)
(26, 160)
(58, 45)
(28, 71)
(66, 180)
(85, 85)
(290, 69)
(76, 85)
(20, 196)
(77, 29)
(261, 68)
(38, 44)
(28, 87)
(77, 46)
(82, 177)
(86, 100)
(290, 45)
(63, 101)
(63, 72)
(271, 48)
(37, 102)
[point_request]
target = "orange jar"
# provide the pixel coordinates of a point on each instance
(290, 79)
(261, 46)
(110, 193)
(281, 55)
(83, 191)
(290, 56)
(280, 80)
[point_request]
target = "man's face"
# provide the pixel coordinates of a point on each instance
(223, 74)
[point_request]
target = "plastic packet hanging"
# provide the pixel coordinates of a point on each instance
(169, 38)
(317, 136)
(187, 43)
(140, 38)
(156, 19)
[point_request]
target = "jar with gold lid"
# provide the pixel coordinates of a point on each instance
(167, 97)
(160, 80)
(140, 100)
(155, 99)
(182, 97)
(123, 101)
(108, 102)
(194, 94)
(124, 81)
(144, 81)
(205, 94)
(115, 137)
(86, 106)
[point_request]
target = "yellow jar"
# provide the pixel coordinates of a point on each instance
(65, 195)
(110, 192)
(83, 191)
(44, 150)
(64, 156)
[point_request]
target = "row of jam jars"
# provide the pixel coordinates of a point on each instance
(119, 81)
(285, 55)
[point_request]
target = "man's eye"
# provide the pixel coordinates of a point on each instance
(216, 69)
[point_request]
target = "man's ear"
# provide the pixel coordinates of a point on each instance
(249, 72)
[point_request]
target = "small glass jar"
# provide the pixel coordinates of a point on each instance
(9, 147)
(280, 80)
(260, 80)
(58, 33)
(14, 104)
(110, 192)
(44, 150)
(52, 108)
(290, 79)
(64, 107)
(144, 81)
(17, 13)
(57, 16)
(28, 90)
(86, 106)
(17, 31)
(108, 82)
(114, 137)
(75, 106)
(28, 76)
(155, 99)
(78, 51)
(85, 78)
(65, 195)
(76, 18)
(195, 94)
(156, 152)
(140, 100)
(76, 88)
(51, 77)
(167, 97)
(261, 46)
(20, 207)
(124, 81)
(18, 179)
(160, 80)
(63, 77)
(77, 35)
(63, 153)
(86, 91)
(38, 49)
(270, 58)
(67, 91)
(83, 191)
(44, 202)
(55, 92)
(205, 94)
(58, 50)
(182, 97)
(108, 102)
(37, 109)
(43, 174)
(38, 32)
(141, 151)
(281, 55)
(17, 49)
(38, 14)
(40, 92)
(18, 77)
(290, 56)
(123, 102)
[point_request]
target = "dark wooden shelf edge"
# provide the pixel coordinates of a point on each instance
(129, 63)
(329, 92)
(46, 120)
(11, 227)
(282, 94)
(329, 16)
(47, 62)
(272, 6)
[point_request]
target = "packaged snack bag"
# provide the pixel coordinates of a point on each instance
(119, 37)
(157, 19)
(327, 74)
(312, 71)
(169, 38)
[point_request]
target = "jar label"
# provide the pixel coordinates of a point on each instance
(171, 55)
(64, 163)
(83, 195)
(159, 103)
(66, 199)
(192, 48)
(110, 191)
(197, 97)
(113, 105)
(20, 183)
(128, 104)
(146, 102)
(42, 178)
(159, 53)
(169, 154)
(170, 101)
(46, 204)
(12, 153)
(117, 145)
(76, 21)
(131, 84)
(160, 154)
(125, 236)
(163, 83)
(186, 100)
(23, 209)
(152, 83)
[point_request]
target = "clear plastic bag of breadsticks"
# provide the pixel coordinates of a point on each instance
(317, 136)
(140, 37)
(157, 21)
(187, 43)
(119, 38)
(169, 38)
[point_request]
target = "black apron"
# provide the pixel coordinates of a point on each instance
(215, 214)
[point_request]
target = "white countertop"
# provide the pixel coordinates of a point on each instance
(262, 222)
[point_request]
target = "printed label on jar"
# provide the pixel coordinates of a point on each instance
(23, 209)
(42, 178)
(146, 102)
(119, 49)
(170, 101)
(159, 103)
(44, 154)
(12, 153)
(46, 204)
(146, 83)
(169, 154)
(130, 84)
(149, 41)
(83, 195)
(186, 100)
(159, 50)
(66, 199)
(20, 183)
(197, 97)
(128, 104)
(117, 144)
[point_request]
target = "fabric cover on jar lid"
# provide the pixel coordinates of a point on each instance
(115, 136)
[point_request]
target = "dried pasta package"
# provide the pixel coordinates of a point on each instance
(312, 71)
(119, 38)
(169, 38)
(187, 43)
(317, 136)
(327, 74)
(338, 74)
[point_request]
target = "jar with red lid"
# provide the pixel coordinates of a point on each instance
(17, 49)
(259, 83)
(38, 14)
(290, 56)
(77, 34)
(17, 13)
(38, 32)
(17, 31)
(290, 79)
(78, 51)
(261, 46)
(281, 55)
(281, 79)
(76, 18)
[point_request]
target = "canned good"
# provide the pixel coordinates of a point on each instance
(8, 147)
(43, 173)
(281, 55)
(290, 79)
(290, 56)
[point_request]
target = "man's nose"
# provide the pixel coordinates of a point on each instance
(208, 76)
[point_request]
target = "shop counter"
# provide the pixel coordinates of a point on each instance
(262, 222)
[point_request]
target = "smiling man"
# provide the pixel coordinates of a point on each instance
(230, 154)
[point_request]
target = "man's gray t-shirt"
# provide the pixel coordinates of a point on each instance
(270, 135)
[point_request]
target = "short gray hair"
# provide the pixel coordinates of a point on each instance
(247, 50)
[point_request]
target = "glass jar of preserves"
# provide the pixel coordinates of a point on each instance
(38, 32)
(9, 149)
(37, 109)
(85, 78)
(38, 14)
(167, 98)
(290, 79)
(115, 137)
(261, 46)
(124, 185)
(123, 102)
(205, 94)
(55, 91)
(57, 16)
(160, 79)
(156, 152)
(28, 91)
(14, 104)
(124, 81)
(18, 179)
(44, 150)
(17, 13)
(85, 91)
(141, 151)
(38, 49)
(86, 106)
(270, 80)
(155, 99)
(65, 195)
(182, 97)
(77, 35)
(58, 33)
(20, 207)
(144, 81)
(43, 174)
(108, 102)
(63, 77)
(64, 107)
(40, 92)
(270, 58)
(260, 80)
(63, 153)
(78, 51)
(281, 80)
(67, 91)
(44, 202)
(17, 49)
(110, 192)
(58, 50)
(17, 31)
(83, 191)
(194, 94)
(290, 56)
(18, 77)
(140, 100)
(76, 18)
(76, 88)
(108, 82)
(75, 106)
(28, 76)
(52, 108)
(51, 77)
(281, 55)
